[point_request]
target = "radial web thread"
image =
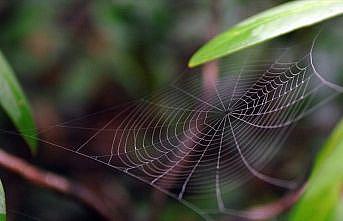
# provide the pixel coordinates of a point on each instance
(198, 145)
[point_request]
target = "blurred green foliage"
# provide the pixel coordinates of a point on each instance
(2, 203)
(13, 101)
(267, 25)
(129, 43)
(323, 190)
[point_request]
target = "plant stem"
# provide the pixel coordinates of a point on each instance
(56, 183)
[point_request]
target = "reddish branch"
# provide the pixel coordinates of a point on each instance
(55, 182)
(62, 185)
(273, 209)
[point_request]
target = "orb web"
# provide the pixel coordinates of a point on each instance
(197, 144)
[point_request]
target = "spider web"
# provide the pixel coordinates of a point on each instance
(199, 145)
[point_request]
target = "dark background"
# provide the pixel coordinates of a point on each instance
(78, 57)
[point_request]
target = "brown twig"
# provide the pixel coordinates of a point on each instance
(210, 70)
(55, 182)
(273, 209)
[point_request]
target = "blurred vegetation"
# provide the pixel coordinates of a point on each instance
(2, 203)
(323, 190)
(78, 57)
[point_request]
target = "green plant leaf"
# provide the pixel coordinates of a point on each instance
(323, 191)
(2, 203)
(13, 101)
(267, 25)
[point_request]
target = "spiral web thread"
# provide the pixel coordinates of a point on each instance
(200, 145)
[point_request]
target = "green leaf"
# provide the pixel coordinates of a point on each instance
(13, 101)
(2, 203)
(267, 25)
(324, 187)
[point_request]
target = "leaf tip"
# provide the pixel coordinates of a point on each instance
(194, 61)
